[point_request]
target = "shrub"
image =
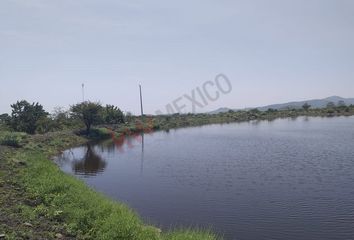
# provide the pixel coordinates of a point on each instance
(112, 115)
(45, 124)
(88, 112)
(12, 139)
(25, 116)
(95, 133)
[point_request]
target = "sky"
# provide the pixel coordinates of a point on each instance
(271, 51)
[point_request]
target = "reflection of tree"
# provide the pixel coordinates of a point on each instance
(256, 122)
(107, 146)
(90, 164)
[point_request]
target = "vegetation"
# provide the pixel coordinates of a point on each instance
(112, 115)
(306, 106)
(26, 117)
(88, 112)
(182, 120)
(4, 118)
(13, 139)
(31, 118)
(331, 105)
(93, 113)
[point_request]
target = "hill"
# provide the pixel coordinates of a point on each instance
(315, 103)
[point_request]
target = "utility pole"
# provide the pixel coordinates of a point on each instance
(142, 133)
(141, 102)
(83, 92)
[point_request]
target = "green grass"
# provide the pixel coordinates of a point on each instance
(12, 139)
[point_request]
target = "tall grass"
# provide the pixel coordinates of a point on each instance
(12, 139)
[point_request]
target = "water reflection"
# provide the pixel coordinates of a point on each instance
(90, 164)
(126, 141)
(129, 141)
(142, 155)
(88, 160)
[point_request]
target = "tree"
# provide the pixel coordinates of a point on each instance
(45, 124)
(61, 118)
(331, 105)
(255, 111)
(306, 106)
(112, 115)
(4, 118)
(88, 112)
(271, 110)
(25, 116)
(341, 103)
(60, 114)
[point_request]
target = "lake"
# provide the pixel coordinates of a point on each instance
(282, 179)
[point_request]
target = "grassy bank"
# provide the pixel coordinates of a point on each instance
(39, 201)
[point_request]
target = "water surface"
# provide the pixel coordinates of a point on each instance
(284, 179)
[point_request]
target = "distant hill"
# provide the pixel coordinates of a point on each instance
(220, 110)
(315, 103)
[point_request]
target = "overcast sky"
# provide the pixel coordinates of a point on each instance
(272, 51)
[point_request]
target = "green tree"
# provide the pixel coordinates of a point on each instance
(341, 104)
(4, 118)
(112, 115)
(45, 124)
(255, 111)
(306, 106)
(271, 110)
(4, 121)
(62, 119)
(331, 105)
(88, 112)
(25, 116)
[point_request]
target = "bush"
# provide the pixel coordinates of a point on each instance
(99, 133)
(45, 124)
(95, 133)
(112, 115)
(4, 127)
(12, 139)
(25, 116)
(89, 113)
